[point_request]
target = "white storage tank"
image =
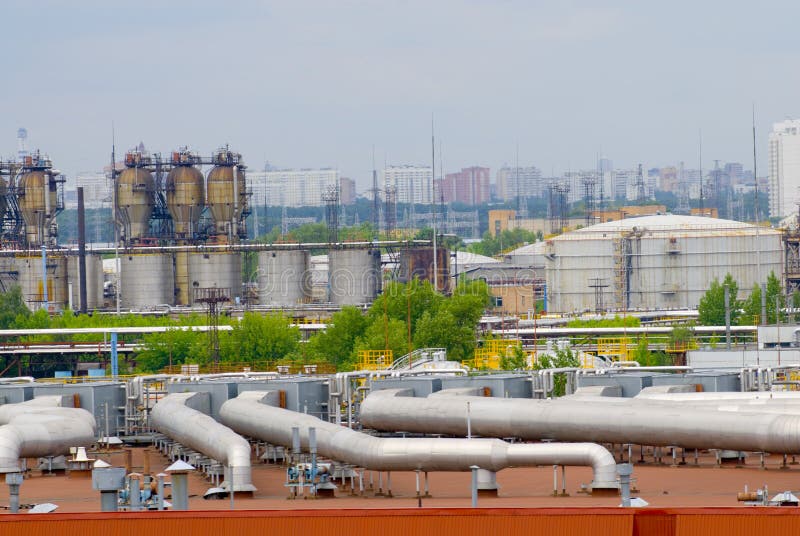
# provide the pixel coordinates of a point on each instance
(283, 277)
(656, 262)
(146, 281)
(29, 270)
(219, 270)
(94, 282)
(354, 275)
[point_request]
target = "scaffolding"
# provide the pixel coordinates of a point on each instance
(375, 359)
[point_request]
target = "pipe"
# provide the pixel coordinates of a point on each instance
(639, 423)
(33, 429)
(178, 415)
(248, 415)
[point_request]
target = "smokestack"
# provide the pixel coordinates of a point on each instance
(82, 251)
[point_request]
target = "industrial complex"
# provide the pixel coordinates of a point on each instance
(717, 426)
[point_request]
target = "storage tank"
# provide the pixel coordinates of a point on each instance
(226, 193)
(656, 262)
(185, 197)
(29, 271)
(37, 199)
(147, 280)
(283, 277)
(135, 197)
(220, 270)
(354, 275)
(94, 281)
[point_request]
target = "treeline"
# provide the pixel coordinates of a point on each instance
(404, 317)
(711, 310)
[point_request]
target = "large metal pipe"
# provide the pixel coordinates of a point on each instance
(640, 423)
(250, 414)
(180, 417)
(40, 428)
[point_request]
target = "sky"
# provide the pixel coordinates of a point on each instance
(307, 83)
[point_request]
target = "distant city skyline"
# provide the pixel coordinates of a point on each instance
(312, 84)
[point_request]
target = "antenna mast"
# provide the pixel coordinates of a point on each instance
(433, 208)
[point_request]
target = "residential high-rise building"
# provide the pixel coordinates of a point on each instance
(290, 187)
(413, 183)
(784, 168)
(531, 183)
(470, 186)
(347, 191)
(96, 188)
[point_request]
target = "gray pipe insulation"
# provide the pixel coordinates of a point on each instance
(640, 422)
(181, 416)
(252, 414)
(41, 427)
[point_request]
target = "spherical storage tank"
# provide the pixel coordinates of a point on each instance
(37, 201)
(283, 277)
(225, 198)
(146, 281)
(135, 199)
(354, 275)
(656, 262)
(220, 270)
(185, 199)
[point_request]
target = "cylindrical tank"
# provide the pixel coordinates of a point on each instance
(418, 263)
(29, 271)
(354, 275)
(220, 270)
(224, 198)
(94, 282)
(185, 199)
(283, 277)
(146, 280)
(135, 200)
(37, 200)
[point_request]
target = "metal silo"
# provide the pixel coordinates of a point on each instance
(147, 280)
(29, 270)
(94, 281)
(283, 277)
(656, 262)
(226, 195)
(185, 197)
(38, 200)
(220, 270)
(135, 196)
(354, 275)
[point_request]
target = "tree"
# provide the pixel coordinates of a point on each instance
(711, 310)
(775, 299)
(442, 330)
(335, 344)
(259, 337)
(374, 338)
(405, 301)
(559, 359)
(175, 347)
(751, 307)
(518, 360)
(12, 306)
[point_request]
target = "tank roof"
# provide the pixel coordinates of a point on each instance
(668, 223)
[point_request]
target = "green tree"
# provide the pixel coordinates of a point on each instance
(175, 347)
(12, 306)
(559, 359)
(335, 344)
(776, 300)
(258, 337)
(751, 307)
(374, 337)
(711, 310)
(442, 330)
(405, 301)
(517, 360)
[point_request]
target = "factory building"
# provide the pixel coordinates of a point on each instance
(656, 262)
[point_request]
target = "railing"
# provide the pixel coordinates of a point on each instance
(375, 359)
(418, 357)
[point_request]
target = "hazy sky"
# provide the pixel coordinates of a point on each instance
(318, 83)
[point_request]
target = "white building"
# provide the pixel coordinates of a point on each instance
(784, 167)
(413, 183)
(531, 183)
(291, 187)
(96, 188)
